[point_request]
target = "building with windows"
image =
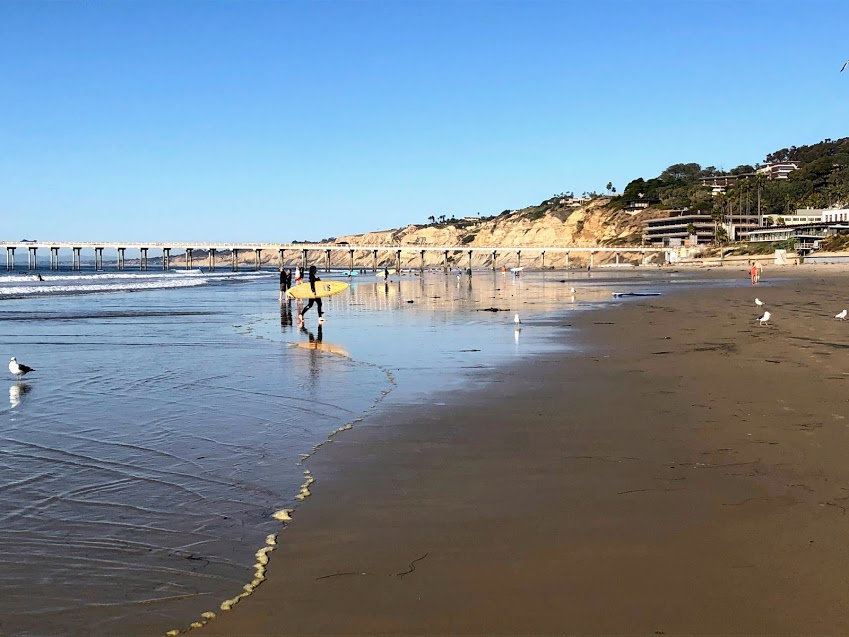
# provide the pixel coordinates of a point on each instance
(673, 229)
(834, 215)
(778, 170)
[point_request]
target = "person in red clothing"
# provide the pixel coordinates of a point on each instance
(753, 271)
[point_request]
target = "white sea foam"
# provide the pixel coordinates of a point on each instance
(55, 283)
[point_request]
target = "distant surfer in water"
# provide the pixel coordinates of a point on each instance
(315, 299)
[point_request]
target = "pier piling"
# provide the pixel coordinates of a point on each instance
(257, 259)
(234, 259)
(98, 259)
(327, 260)
(32, 258)
(190, 258)
(211, 259)
(76, 258)
(54, 258)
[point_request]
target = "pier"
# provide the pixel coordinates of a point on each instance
(306, 254)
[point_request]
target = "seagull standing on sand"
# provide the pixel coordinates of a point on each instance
(517, 321)
(19, 370)
(758, 302)
(841, 315)
(765, 318)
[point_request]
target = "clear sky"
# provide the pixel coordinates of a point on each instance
(274, 121)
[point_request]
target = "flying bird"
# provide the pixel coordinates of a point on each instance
(844, 66)
(841, 315)
(19, 370)
(758, 302)
(763, 320)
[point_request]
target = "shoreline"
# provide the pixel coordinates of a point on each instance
(611, 489)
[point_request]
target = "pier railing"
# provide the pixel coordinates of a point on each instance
(303, 250)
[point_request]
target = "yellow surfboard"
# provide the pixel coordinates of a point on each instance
(383, 272)
(322, 289)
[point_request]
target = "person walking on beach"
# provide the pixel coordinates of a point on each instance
(285, 281)
(297, 274)
(312, 279)
(758, 271)
(753, 272)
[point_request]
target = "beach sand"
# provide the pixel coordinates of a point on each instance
(685, 471)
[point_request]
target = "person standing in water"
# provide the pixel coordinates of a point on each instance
(285, 281)
(312, 279)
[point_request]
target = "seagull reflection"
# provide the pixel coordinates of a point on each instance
(516, 334)
(17, 393)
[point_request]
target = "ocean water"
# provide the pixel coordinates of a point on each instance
(170, 414)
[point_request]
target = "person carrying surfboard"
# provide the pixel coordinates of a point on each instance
(312, 279)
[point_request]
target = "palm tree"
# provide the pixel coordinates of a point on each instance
(432, 219)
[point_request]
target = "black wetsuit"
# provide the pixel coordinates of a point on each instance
(316, 300)
(285, 280)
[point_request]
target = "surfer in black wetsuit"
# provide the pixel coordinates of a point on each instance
(315, 299)
(285, 281)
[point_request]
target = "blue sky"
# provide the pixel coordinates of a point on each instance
(280, 121)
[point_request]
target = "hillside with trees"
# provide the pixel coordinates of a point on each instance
(821, 181)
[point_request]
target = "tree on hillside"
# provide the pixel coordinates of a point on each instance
(441, 218)
(610, 188)
(432, 219)
(743, 169)
(681, 172)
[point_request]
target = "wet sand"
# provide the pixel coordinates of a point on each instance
(687, 471)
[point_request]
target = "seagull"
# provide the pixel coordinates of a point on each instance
(841, 315)
(844, 66)
(763, 320)
(17, 369)
(758, 302)
(572, 290)
(517, 320)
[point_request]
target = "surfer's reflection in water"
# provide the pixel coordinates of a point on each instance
(315, 354)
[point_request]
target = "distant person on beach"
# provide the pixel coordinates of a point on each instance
(753, 272)
(40, 278)
(297, 274)
(758, 271)
(285, 281)
(313, 277)
(469, 272)
(386, 273)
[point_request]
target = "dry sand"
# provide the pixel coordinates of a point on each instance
(686, 472)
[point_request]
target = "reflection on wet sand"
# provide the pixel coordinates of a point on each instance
(17, 393)
(286, 314)
(316, 342)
